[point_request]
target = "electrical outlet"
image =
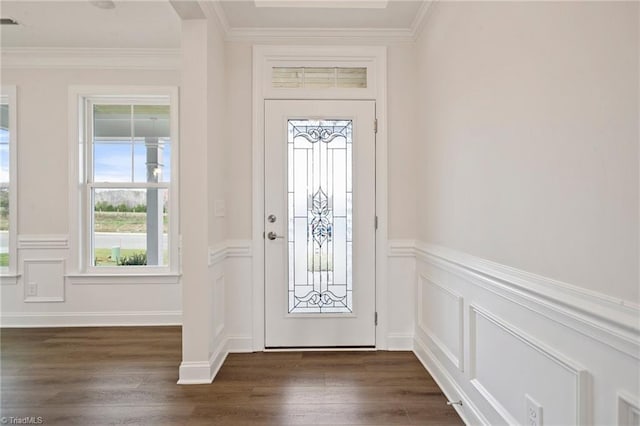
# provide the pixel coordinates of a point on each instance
(32, 289)
(219, 208)
(534, 412)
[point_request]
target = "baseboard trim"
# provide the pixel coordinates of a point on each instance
(217, 358)
(195, 372)
(400, 342)
(468, 412)
(205, 372)
(239, 344)
(90, 319)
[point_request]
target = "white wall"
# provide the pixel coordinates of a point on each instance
(402, 212)
(402, 101)
(401, 110)
(527, 242)
(218, 131)
(238, 153)
(529, 138)
(43, 179)
(43, 199)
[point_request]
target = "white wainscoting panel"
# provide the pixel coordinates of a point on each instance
(44, 280)
(440, 317)
(574, 352)
(231, 315)
(217, 341)
(525, 367)
(55, 300)
(90, 319)
(218, 306)
(400, 307)
(628, 410)
(239, 295)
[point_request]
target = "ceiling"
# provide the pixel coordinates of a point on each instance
(396, 15)
(139, 24)
(155, 23)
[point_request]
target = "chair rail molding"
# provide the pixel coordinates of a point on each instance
(42, 242)
(609, 320)
(508, 329)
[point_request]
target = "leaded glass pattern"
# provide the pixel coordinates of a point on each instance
(320, 199)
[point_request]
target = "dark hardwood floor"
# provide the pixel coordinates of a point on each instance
(127, 375)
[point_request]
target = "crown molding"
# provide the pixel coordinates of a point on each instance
(319, 4)
(90, 58)
(361, 35)
(420, 21)
(214, 10)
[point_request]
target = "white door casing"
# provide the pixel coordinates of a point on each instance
(265, 57)
(336, 304)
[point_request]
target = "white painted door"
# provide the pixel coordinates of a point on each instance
(319, 223)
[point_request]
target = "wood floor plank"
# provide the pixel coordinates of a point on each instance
(128, 375)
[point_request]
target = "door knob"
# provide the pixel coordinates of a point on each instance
(272, 235)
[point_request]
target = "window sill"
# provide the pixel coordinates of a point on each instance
(123, 279)
(9, 279)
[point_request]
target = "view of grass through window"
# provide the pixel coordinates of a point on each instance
(129, 184)
(126, 228)
(4, 183)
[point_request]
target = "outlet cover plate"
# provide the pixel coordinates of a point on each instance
(534, 412)
(32, 289)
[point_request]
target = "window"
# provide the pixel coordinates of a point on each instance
(127, 190)
(8, 173)
(319, 77)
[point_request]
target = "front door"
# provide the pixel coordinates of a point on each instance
(319, 223)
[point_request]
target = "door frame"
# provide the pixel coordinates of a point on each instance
(374, 58)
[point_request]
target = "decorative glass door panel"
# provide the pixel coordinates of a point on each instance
(319, 223)
(320, 216)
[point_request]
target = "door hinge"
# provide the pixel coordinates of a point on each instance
(375, 318)
(376, 222)
(375, 126)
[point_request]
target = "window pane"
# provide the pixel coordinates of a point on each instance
(320, 213)
(4, 155)
(166, 161)
(130, 227)
(112, 121)
(151, 121)
(150, 158)
(4, 185)
(112, 161)
(351, 78)
(319, 77)
(287, 77)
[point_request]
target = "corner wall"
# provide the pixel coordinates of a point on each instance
(529, 138)
(43, 203)
(526, 257)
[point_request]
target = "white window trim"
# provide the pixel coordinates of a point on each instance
(10, 274)
(81, 271)
(265, 57)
